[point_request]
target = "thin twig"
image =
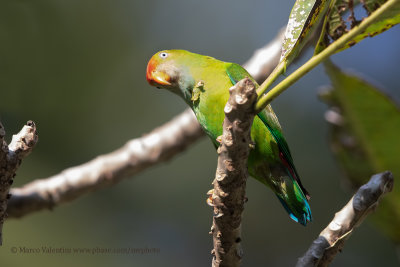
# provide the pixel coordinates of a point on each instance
(228, 195)
(138, 154)
(331, 240)
(10, 159)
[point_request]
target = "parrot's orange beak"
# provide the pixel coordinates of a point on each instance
(155, 77)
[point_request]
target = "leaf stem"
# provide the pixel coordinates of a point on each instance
(279, 69)
(317, 59)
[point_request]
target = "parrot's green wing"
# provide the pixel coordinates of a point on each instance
(268, 117)
(283, 147)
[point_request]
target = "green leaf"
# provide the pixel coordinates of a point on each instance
(304, 19)
(365, 138)
(335, 26)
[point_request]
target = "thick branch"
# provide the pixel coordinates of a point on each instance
(10, 158)
(160, 145)
(331, 240)
(228, 195)
(136, 155)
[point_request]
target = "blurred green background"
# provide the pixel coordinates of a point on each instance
(77, 68)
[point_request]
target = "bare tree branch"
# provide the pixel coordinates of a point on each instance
(10, 159)
(76, 181)
(228, 195)
(331, 240)
(136, 155)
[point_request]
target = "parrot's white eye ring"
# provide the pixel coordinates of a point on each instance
(163, 55)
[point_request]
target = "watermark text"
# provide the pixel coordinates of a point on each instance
(84, 250)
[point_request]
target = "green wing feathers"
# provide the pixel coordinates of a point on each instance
(285, 156)
(237, 73)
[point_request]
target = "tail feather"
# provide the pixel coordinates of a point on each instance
(295, 202)
(295, 196)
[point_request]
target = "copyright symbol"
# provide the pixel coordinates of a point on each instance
(13, 250)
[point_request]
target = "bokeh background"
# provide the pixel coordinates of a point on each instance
(77, 68)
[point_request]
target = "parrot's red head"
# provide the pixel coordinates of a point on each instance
(157, 72)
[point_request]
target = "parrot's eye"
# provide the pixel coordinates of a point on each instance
(163, 55)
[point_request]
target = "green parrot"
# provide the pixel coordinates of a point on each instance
(203, 82)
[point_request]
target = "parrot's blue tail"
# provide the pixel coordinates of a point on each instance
(295, 203)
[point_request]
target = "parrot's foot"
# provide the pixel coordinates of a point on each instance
(219, 139)
(197, 90)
